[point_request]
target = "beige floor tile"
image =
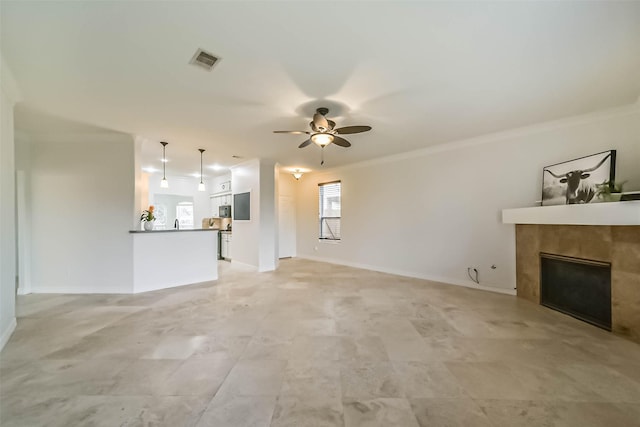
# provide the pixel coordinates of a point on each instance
(223, 347)
(143, 377)
(268, 348)
(516, 413)
(196, 377)
(608, 383)
(363, 348)
(370, 380)
(462, 412)
(255, 378)
(428, 380)
(312, 378)
(489, 380)
(380, 412)
(307, 411)
(175, 347)
(238, 411)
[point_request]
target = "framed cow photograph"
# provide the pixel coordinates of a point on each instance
(575, 181)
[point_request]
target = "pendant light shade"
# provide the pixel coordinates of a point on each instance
(201, 186)
(164, 183)
(297, 174)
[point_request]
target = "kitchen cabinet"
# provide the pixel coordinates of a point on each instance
(225, 245)
(218, 200)
(223, 187)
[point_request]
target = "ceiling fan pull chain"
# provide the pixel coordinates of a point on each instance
(322, 156)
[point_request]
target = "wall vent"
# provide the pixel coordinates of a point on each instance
(204, 59)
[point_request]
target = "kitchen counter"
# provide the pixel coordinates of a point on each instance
(172, 230)
(168, 258)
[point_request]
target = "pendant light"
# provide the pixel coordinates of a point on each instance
(164, 183)
(297, 174)
(201, 185)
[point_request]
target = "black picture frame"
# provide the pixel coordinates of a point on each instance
(574, 181)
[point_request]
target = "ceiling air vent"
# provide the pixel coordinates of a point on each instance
(204, 59)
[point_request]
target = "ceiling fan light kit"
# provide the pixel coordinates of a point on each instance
(323, 132)
(322, 139)
(297, 174)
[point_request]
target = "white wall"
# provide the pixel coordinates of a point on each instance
(82, 196)
(268, 216)
(23, 211)
(9, 95)
(433, 213)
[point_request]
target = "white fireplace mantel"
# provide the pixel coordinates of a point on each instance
(617, 213)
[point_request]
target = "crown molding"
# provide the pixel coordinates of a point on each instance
(497, 136)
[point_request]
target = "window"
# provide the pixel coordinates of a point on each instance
(329, 196)
(161, 216)
(184, 215)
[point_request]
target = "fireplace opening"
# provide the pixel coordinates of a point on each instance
(577, 287)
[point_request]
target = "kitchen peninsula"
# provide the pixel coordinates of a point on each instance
(169, 258)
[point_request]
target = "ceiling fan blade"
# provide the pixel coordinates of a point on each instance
(341, 141)
(353, 129)
(292, 132)
(320, 122)
(332, 124)
(304, 144)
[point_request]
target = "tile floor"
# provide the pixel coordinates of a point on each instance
(312, 344)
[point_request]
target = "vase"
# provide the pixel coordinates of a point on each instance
(612, 197)
(148, 225)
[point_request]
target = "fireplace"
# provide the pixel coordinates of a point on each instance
(578, 287)
(618, 246)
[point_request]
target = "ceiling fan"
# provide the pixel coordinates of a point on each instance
(323, 131)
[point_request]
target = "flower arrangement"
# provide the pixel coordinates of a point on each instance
(147, 215)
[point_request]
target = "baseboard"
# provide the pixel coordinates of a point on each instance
(22, 290)
(242, 266)
(415, 275)
(6, 334)
(76, 291)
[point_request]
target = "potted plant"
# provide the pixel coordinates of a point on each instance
(609, 191)
(148, 218)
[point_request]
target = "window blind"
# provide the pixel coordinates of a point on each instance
(329, 203)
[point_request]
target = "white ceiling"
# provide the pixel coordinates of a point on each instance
(420, 73)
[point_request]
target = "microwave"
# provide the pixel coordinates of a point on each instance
(224, 211)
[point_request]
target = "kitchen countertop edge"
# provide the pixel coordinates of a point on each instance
(171, 230)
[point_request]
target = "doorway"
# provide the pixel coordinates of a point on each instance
(287, 226)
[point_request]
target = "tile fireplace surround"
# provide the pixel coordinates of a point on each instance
(618, 245)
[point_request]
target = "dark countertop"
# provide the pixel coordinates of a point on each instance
(172, 230)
